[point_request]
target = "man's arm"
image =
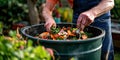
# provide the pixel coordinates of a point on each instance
(103, 7)
(87, 17)
(47, 13)
(48, 8)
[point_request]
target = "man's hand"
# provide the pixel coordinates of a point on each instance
(49, 23)
(85, 19)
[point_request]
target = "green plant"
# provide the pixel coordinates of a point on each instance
(13, 47)
(1, 26)
(116, 10)
(12, 11)
(66, 14)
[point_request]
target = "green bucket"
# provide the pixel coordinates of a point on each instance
(89, 49)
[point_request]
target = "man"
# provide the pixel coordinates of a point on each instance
(85, 13)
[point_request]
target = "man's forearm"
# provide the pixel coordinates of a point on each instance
(102, 7)
(48, 8)
(47, 14)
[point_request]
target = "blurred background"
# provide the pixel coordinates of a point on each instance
(20, 13)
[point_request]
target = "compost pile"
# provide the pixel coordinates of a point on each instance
(64, 33)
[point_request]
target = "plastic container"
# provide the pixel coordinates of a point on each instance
(89, 49)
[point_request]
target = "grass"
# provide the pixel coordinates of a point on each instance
(117, 54)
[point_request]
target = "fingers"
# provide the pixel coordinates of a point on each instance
(83, 21)
(79, 21)
(54, 25)
(48, 26)
(82, 26)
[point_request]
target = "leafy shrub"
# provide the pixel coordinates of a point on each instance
(116, 10)
(12, 11)
(14, 47)
(11, 51)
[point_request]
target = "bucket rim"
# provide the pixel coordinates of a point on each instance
(62, 41)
